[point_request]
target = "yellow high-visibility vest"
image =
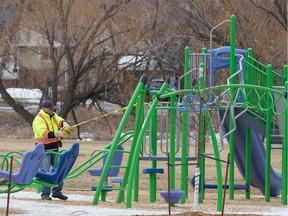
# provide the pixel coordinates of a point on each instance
(43, 124)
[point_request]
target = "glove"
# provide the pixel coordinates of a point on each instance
(59, 133)
(66, 125)
(65, 131)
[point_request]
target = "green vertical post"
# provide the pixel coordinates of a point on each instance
(201, 150)
(248, 162)
(202, 138)
(137, 148)
(136, 183)
(173, 101)
(248, 77)
(202, 129)
(268, 134)
(217, 164)
(285, 145)
(152, 176)
(141, 85)
(138, 123)
(202, 66)
(139, 117)
(184, 169)
(249, 69)
(232, 81)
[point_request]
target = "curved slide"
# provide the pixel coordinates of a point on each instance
(257, 160)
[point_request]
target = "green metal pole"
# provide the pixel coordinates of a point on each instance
(173, 102)
(249, 69)
(139, 141)
(138, 122)
(232, 81)
(130, 106)
(218, 165)
(139, 118)
(202, 128)
(285, 146)
(186, 67)
(248, 77)
(248, 162)
(201, 149)
(268, 135)
(152, 176)
(184, 160)
(141, 86)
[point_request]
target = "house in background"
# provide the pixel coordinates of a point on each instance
(10, 75)
(9, 72)
(133, 65)
(31, 56)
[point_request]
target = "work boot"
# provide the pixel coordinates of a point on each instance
(46, 198)
(60, 196)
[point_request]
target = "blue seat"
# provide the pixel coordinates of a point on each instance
(116, 161)
(30, 164)
(64, 165)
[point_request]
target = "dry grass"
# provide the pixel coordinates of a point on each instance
(13, 125)
(17, 135)
(82, 184)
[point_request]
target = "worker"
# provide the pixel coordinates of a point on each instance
(48, 128)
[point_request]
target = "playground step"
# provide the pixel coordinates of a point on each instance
(215, 186)
(153, 170)
(106, 188)
(164, 158)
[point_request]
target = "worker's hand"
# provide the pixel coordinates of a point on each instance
(66, 125)
(59, 134)
(66, 131)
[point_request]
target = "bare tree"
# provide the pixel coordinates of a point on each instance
(93, 36)
(90, 50)
(260, 26)
(277, 9)
(8, 54)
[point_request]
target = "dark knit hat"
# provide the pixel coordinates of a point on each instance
(48, 104)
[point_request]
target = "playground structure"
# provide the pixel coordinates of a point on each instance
(249, 92)
(253, 102)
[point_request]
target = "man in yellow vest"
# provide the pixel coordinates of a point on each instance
(48, 130)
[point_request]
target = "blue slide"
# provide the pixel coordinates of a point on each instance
(257, 160)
